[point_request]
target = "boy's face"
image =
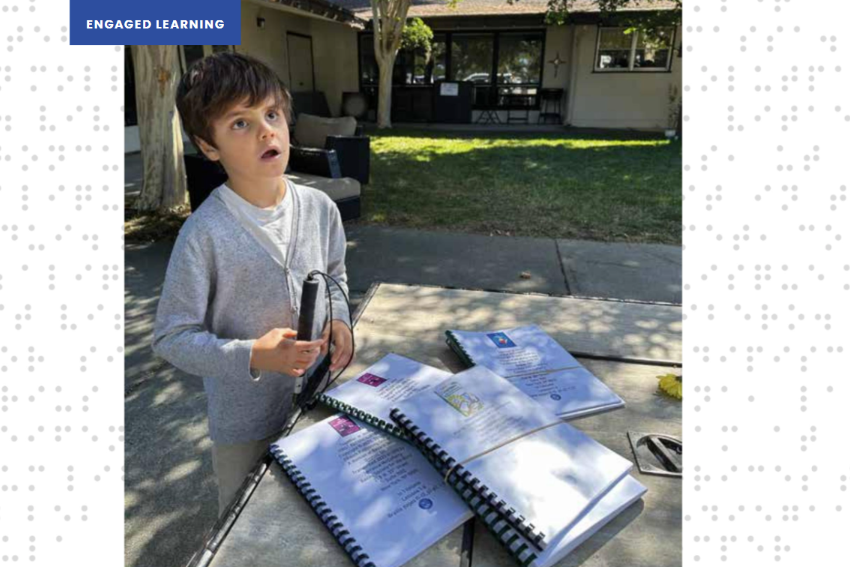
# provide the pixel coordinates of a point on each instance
(252, 142)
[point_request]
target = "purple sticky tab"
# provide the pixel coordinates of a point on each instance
(371, 380)
(344, 426)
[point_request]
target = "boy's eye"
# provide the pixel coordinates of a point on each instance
(238, 122)
(273, 114)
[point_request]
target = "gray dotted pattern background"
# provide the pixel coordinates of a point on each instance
(766, 272)
(61, 292)
(766, 281)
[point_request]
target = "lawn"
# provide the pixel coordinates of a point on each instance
(608, 186)
(579, 185)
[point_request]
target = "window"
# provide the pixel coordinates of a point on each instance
(505, 66)
(472, 57)
(637, 51)
(368, 64)
(439, 55)
(411, 67)
(401, 75)
(424, 70)
(615, 49)
(653, 51)
(418, 75)
(520, 58)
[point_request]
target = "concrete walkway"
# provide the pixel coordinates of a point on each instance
(646, 272)
(170, 490)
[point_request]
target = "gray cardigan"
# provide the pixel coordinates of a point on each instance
(223, 290)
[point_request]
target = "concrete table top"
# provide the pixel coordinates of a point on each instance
(627, 346)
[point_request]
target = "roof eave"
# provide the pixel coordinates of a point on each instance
(583, 15)
(324, 9)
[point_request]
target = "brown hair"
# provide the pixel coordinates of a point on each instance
(216, 83)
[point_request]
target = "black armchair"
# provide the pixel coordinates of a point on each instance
(353, 154)
(352, 151)
(315, 161)
(322, 165)
(202, 177)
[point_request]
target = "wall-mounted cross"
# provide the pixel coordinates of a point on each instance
(557, 61)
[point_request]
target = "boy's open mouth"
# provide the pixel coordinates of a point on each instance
(271, 153)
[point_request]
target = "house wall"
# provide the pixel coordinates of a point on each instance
(269, 44)
(334, 48)
(558, 42)
(335, 56)
(617, 100)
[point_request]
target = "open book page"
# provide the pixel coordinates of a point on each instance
(550, 476)
(381, 386)
(515, 352)
(536, 364)
(380, 488)
(569, 393)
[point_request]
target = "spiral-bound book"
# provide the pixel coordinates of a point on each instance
(536, 364)
(623, 494)
(493, 444)
(378, 496)
(371, 395)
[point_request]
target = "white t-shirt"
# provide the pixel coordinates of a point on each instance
(272, 226)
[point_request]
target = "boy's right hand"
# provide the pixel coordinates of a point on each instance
(277, 351)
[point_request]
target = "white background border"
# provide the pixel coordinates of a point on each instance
(766, 274)
(766, 282)
(61, 292)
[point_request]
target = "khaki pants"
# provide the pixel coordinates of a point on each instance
(232, 463)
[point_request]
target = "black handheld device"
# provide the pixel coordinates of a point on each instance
(309, 291)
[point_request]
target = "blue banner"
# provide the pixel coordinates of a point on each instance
(156, 22)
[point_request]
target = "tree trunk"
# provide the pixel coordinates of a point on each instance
(385, 93)
(388, 18)
(157, 73)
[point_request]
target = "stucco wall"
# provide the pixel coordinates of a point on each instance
(334, 48)
(335, 56)
(558, 42)
(617, 100)
(269, 44)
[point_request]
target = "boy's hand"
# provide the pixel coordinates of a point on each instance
(277, 351)
(343, 343)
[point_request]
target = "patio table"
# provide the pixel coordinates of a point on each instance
(625, 344)
(520, 104)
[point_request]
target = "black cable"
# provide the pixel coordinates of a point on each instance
(330, 305)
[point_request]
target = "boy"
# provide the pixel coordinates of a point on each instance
(232, 290)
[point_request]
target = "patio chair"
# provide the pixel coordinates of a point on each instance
(487, 100)
(320, 169)
(317, 169)
(518, 106)
(202, 177)
(319, 130)
(550, 106)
